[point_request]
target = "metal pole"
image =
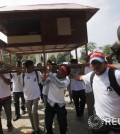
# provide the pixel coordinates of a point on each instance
(76, 54)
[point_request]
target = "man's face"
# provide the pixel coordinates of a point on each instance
(30, 69)
(98, 67)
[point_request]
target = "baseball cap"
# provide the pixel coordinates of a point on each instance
(99, 56)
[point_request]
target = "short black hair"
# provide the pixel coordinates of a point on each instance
(28, 63)
(18, 62)
(49, 61)
(74, 61)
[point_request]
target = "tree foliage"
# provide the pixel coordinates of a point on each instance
(53, 58)
(106, 49)
(22, 58)
(62, 57)
(91, 47)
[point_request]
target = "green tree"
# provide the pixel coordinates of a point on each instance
(91, 47)
(52, 58)
(24, 58)
(30, 57)
(67, 56)
(106, 49)
(60, 58)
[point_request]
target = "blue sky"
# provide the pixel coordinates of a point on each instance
(102, 27)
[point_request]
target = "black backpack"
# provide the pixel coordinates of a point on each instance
(112, 79)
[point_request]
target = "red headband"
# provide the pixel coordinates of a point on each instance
(64, 69)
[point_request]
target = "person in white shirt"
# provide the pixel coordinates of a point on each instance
(32, 94)
(5, 100)
(53, 69)
(78, 90)
(56, 102)
(107, 102)
(18, 93)
(88, 90)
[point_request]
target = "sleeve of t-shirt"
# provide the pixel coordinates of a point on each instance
(21, 79)
(39, 76)
(59, 83)
(117, 76)
(86, 78)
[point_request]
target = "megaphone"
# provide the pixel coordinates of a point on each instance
(118, 33)
(116, 48)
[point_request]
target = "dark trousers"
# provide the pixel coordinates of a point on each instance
(106, 129)
(79, 99)
(61, 116)
(90, 103)
(1, 131)
(16, 97)
(41, 88)
(6, 103)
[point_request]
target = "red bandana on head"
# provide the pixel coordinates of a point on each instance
(64, 69)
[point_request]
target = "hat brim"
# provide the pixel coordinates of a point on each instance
(98, 59)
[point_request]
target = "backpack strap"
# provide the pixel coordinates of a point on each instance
(23, 76)
(113, 81)
(11, 82)
(37, 76)
(38, 79)
(91, 78)
(11, 76)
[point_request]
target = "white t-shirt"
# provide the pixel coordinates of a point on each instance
(45, 89)
(76, 85)
(4, 88)
(107, 103)
(88, 88)
(31, 89)
(17, 86)
(56, 91)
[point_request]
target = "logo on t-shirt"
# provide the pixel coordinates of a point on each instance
(95, 122)
(109, 88)
(34, 79)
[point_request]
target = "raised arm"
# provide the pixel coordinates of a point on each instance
(6, 80)
(58, 82)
